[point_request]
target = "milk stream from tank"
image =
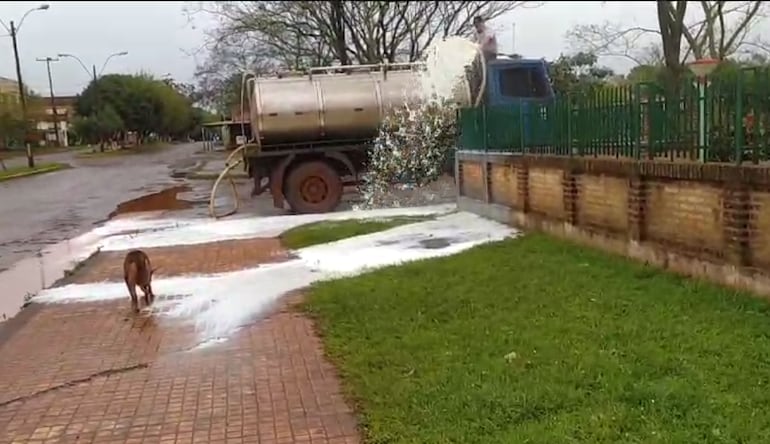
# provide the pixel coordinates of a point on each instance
(445, 63)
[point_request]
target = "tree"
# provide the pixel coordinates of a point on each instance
(98, 127)
(144, 104)
(12, 126)
(312, 32)
(269, 36)
(716, 29)
(576, 72)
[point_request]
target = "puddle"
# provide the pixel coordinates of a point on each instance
(167, 199)
(28, 276)
(435, 243)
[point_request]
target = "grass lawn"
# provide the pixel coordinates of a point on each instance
(535, 340)
(334, 230)
(37, 151)
(93, 151)
(23, 171)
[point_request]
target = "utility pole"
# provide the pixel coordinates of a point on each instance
(22, 96)
(94, 72)
(13, 30)
(48, 61)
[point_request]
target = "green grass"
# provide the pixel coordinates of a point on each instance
(93, 151)
(37, 151)
(330, 231)
(535, 340)
(24, 171)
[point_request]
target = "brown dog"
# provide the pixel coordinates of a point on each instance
(137, 271)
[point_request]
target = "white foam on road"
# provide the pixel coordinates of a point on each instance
(220, 304)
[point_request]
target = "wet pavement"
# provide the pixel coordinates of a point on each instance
(42, 210)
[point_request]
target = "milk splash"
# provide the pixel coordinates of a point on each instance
(414, 143)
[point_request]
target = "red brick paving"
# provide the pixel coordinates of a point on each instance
(269, 383)
(214, 257)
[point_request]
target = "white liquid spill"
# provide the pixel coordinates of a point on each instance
(219, 305)
(413, 143)
(445, 68)
(206, 230)
(28, 277)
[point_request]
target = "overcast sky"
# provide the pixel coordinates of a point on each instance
(158, 37)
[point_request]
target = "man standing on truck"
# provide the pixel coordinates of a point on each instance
(486, 39)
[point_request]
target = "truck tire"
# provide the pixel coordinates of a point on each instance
(313, 187)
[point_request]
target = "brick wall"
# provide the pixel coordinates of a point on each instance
(711, 221)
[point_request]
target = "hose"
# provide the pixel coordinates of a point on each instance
(483, 85)
(228, 166)
(225, 171)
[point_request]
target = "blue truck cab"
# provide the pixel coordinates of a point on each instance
(512, 81)
(516, 96)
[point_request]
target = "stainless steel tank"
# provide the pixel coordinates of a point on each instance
(328, 105)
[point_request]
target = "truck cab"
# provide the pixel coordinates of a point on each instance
(513, 87)
(513, 81)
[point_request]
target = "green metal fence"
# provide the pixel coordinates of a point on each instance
(723, 119)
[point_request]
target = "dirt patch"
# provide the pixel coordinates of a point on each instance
(162, 200)
(213, 257)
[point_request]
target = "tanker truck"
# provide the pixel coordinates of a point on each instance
(309, 133)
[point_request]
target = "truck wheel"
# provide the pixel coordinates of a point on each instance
(313, 187)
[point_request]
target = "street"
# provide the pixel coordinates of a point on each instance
(40, 210)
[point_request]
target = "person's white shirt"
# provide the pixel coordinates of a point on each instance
(487, 40)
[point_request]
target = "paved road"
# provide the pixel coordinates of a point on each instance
(45, 209)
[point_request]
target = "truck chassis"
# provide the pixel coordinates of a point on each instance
(310, 177)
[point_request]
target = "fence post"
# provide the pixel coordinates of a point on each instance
(567, 106)
(638, 118)
(739, 119)
(484, 127)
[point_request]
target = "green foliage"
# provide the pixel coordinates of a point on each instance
(142, 103)
(99, 125)
(576, 72)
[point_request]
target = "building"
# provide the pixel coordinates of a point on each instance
(43, 113)
(9, 86)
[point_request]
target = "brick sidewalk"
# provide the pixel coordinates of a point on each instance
(91, 372)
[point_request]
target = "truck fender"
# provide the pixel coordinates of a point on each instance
(345, 161)
(276, 180)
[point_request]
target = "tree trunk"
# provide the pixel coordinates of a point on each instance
(671, 22)
(338, 24)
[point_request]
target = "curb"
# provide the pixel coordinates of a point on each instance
(52, 168)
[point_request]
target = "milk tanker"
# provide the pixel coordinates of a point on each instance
(309, 133)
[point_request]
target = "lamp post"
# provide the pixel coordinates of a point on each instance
(13, 31)
(702, 68)
(92, 72)
(94, 76)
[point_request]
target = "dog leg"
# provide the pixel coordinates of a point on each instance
(134, 298)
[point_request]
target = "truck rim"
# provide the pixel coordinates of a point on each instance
(314, 190)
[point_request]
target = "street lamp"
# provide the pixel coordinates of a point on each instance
(702, 68)
(92, 71)
(13, 30)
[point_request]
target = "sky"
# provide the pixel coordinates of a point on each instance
(159, 37)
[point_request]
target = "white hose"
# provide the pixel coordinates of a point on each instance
(229, 166)
(483, 85)
(225, 171)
